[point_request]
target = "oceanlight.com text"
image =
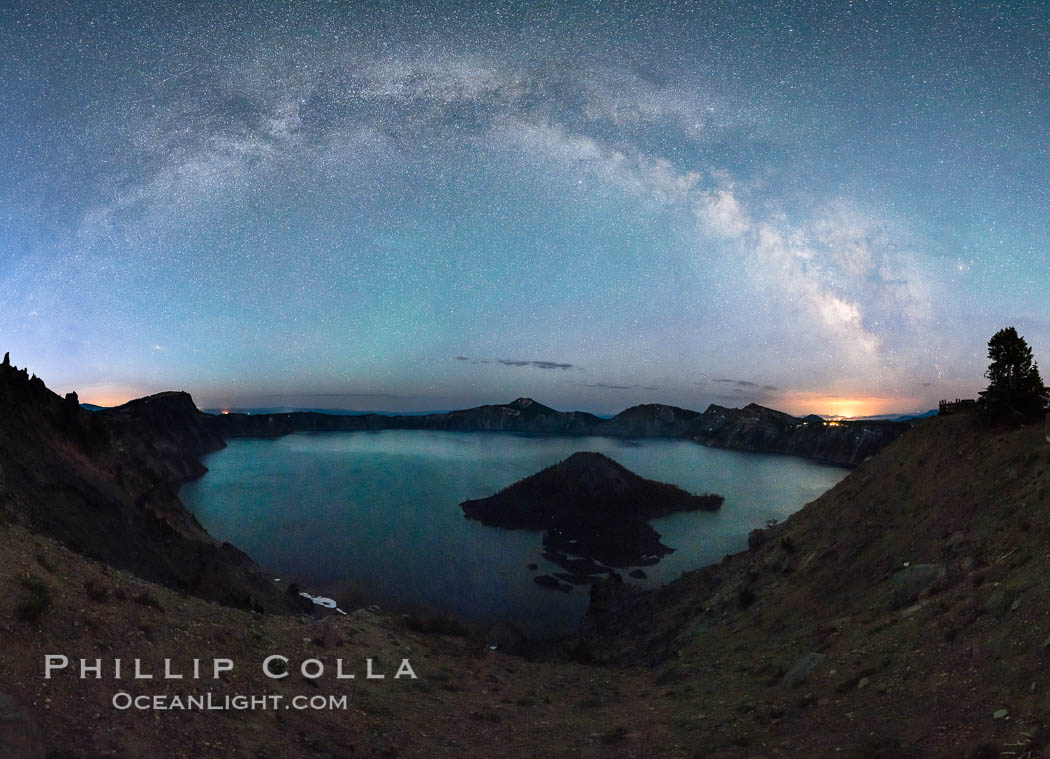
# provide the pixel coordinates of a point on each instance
(123, 701)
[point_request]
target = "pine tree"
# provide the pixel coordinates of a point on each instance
(1013, 377)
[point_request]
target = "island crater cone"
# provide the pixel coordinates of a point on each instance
(592, 507)
(585, 485)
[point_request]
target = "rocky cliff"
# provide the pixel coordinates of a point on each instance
(760, 429)
(521, 415)
(105, 483)
(651, 420)
(752, 428)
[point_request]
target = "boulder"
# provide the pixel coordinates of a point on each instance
(759, 537)
(803, 669)
(913, 580)
(331, 634)
(999, 601)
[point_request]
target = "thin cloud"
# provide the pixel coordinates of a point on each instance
(528, 363)
(535, 364)
(332, 395)
(742, 383)
(607, 386)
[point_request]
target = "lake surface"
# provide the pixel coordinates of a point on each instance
(375, 516)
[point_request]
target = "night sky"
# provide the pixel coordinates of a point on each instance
(818, 206)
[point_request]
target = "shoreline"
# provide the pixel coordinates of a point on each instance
(365, 591)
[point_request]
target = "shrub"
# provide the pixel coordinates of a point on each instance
(148, 599)
(39, 601)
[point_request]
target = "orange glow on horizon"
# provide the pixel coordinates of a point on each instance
(109, 395)
(797, 403)
(801, 404)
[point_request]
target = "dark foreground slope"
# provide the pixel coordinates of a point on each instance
(105, 484)
(752, 428)
(470, 700)
(905, 613)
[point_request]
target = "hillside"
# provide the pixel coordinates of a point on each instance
(914, 591)
(468, 696)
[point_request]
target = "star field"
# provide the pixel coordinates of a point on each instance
(818, 206)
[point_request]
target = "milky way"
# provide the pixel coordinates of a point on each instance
(816, 206)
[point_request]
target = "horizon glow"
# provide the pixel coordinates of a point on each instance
(820, 208)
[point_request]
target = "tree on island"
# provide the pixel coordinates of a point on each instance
(1014, 385)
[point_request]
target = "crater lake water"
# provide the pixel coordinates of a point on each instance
(374, 517)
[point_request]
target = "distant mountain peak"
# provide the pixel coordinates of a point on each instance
(530, 407)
